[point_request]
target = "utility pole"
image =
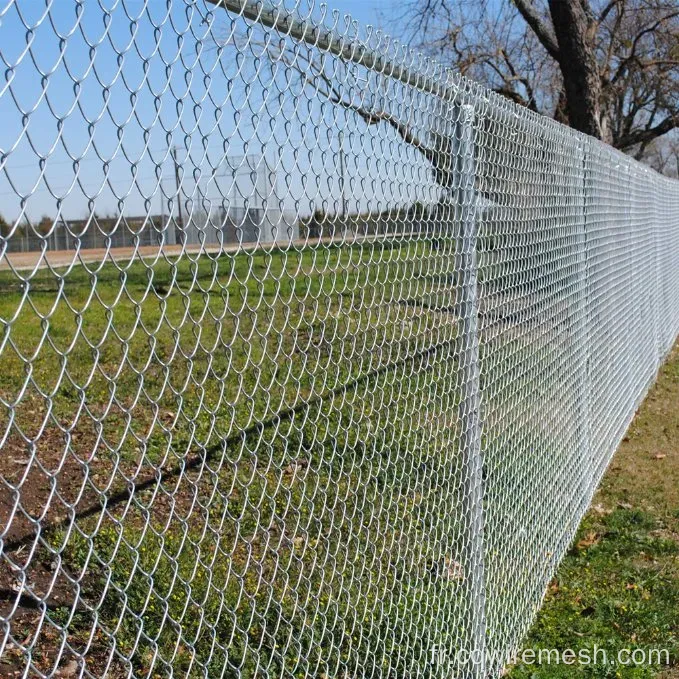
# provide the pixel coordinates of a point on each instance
(27, 230)
(341, 162)
(344, 208)
(179, 200)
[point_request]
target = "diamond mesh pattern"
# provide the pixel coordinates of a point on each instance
(313, 353)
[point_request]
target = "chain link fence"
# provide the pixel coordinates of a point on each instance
(338, 405)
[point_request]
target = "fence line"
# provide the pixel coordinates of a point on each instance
(346, 419)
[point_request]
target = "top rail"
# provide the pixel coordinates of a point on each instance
(272, 16)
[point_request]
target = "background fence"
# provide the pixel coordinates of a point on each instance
(360, 444)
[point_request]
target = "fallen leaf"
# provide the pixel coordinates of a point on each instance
(601, 510)
(589, 540)
(453, 569)
(68, 670)
(296, 466)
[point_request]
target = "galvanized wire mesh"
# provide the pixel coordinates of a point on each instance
(313, 353)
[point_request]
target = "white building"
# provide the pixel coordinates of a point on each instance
(239, 205)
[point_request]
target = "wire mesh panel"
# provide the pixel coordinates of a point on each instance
(312, 352)
(532, 283)
(623, 260)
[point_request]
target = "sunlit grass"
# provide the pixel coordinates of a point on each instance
(290, 420)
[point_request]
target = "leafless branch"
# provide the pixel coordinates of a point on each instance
(539, 27)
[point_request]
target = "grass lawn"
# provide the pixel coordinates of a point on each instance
(618, 587)
(267, 430)
(250, 465)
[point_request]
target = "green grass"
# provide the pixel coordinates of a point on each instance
(618, 587)
(291, 422)
(225, 343)
(287, 400)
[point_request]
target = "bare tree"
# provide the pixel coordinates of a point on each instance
(327, 78)
(609, 68)
(662, 154)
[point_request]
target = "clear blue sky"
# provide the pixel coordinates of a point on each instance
(122, 141)
(377, 13)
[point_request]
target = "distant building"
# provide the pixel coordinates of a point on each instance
(238, 225)
(240, 204)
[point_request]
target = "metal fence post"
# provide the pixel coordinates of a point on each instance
(470, 404)
(583, 328)
(656, 286)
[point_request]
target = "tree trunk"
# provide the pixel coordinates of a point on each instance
(578, 64)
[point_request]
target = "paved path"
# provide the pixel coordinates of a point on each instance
(25, 261)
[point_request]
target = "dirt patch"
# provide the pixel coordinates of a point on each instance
(42, 483)
(23, 261)
(645, 470)
(44, 603)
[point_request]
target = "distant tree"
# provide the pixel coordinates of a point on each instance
(312, 225)
(4, 227)
(609, 68)
(44, 226)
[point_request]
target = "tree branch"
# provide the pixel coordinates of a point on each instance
(531, 103)
(508, 92)
(313, 75)
(607, 10)
(635, 43)
(647, 135)
(540, 28)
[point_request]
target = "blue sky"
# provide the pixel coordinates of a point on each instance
(122, 141)
(376, 13)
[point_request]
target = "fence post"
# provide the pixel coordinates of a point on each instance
(583, 341)
(656, 285)
(470, 402)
